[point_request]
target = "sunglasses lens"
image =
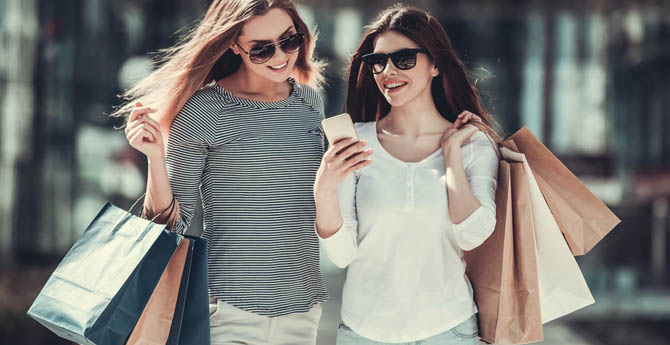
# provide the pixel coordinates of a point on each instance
(376, 62)
(404, 59)
(291, 44)
(261, 54)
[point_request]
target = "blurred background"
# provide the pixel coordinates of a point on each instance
(590, 78)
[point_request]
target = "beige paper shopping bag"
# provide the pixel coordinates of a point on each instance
(563, 289)
(503, 269)
(583, 219)
(153, 327)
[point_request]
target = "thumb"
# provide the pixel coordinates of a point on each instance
(458, 123)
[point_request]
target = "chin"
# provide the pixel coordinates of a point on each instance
(278, 77)
(396, 101)
(404, 97)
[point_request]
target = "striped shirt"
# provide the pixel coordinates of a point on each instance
(254, 165)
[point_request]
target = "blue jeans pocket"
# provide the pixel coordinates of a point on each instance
(467, 329)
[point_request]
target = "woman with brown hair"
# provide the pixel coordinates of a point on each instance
(400, 214)
(234, 104)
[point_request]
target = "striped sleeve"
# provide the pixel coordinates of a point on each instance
(185, 159)
(313, 98)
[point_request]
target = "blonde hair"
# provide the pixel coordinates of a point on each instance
(204, 55)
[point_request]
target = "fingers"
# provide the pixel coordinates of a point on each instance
(335, 148)
(359, 165)
(458, 123)
(151, 122)
(356, 158)
(150, 127)
(466, 117)
(142, 120)
(136, 137)
(351, 150)
(343, 143)
(345, 156)
(140, 110)
(155, 132)
(140, 129)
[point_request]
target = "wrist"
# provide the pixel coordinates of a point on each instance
(451, 143)
(324, 193)
(158, 160)
(452, 154)
(451, 150)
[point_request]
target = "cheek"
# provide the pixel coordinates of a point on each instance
(292, 59)
(378, 81)
(256, 68)
(420, 78)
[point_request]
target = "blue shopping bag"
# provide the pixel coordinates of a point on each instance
(99, 290)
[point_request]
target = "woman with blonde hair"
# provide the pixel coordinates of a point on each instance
(400, 214)
(236, 104)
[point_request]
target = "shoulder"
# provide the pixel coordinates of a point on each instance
(200, 112)
(205, 97)
(202, 103)
(310, 96)
(480, 141)
(477, 148)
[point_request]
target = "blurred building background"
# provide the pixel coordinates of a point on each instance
(590, 78)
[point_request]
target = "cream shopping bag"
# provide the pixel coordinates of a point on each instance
(563, 289)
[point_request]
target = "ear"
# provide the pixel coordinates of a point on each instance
(235, 49)
(434, 71)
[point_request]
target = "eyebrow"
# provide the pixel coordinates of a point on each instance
(267, 41)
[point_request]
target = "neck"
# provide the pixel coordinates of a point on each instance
(415, 118)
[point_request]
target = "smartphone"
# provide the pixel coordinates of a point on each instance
(339, 127)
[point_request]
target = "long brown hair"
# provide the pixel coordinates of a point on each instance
(452, 91)
(204, 55)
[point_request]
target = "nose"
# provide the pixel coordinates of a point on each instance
(279, 54)
(390, 68)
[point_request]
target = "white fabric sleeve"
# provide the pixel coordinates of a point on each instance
(481, 169)
(342, 246)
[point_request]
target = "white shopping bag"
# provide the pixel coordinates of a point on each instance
(563, 289)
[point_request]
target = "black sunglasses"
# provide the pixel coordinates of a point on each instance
(403, 59)
(264, 53)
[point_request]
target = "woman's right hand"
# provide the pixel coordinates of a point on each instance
(144, 133)
(341, 159)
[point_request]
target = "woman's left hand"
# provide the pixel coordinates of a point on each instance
(461, 131)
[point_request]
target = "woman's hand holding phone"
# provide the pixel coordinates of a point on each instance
(341, 159)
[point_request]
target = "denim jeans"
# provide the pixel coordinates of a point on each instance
(463, 334)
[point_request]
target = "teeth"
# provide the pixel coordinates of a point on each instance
(394, 85)
(279, 66)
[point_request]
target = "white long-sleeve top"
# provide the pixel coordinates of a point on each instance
(406, 277)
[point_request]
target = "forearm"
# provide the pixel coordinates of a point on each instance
(339, 245)
(328, 214)
(159, 193)
(462, 202)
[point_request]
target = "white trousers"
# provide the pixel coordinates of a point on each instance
(230, 325)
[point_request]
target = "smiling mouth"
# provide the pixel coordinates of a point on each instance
(392, 86)
(278, 67)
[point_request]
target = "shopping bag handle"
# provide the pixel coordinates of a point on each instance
(171, 207)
